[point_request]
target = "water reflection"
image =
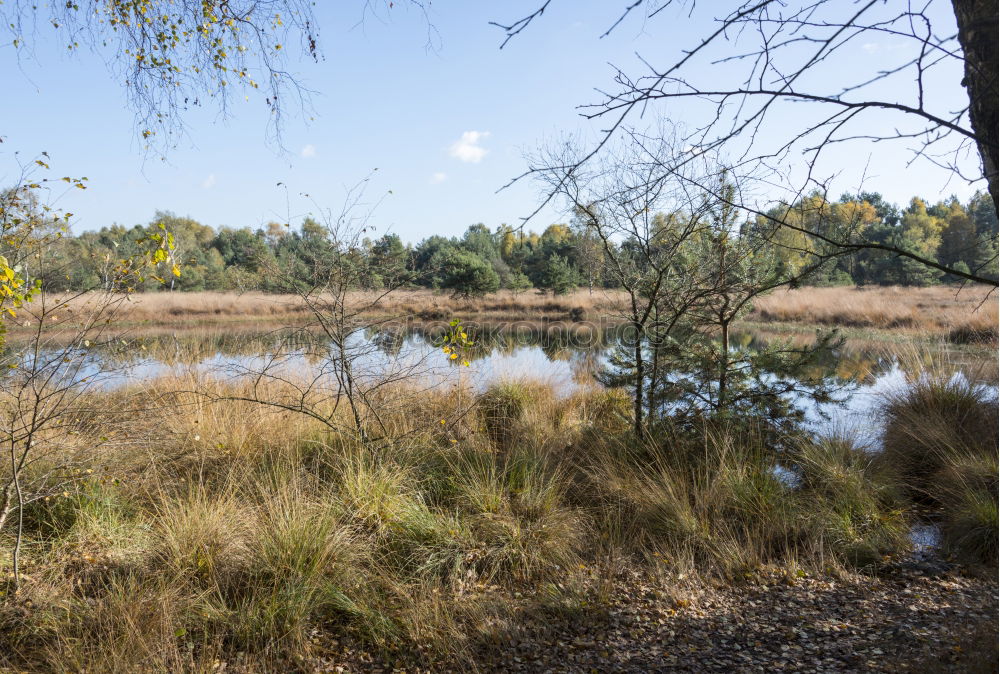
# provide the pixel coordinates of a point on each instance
(567, 355)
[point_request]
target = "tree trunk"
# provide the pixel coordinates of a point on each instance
(724, 366)
(640, 374)
(654, 377)
(978, 34)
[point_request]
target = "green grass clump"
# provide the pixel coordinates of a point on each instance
(502, 409)
(849, 502)
(940, 442)
(932, 421)
(515, 506)
(720, 505)
(969, 526)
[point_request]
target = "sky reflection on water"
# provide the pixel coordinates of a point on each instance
(564, 360)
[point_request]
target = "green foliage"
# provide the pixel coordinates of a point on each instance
(465, 273)
(950, 233)
(518, 282)
(37, 254)
(558, 276)
(558, 260)
(767, 385)
(389, 260)
(682, 363)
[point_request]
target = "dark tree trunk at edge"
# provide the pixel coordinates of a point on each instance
(978, 35)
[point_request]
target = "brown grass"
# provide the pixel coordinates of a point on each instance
(210, 306)
(214, 529)
(964, 316)
(938, 310)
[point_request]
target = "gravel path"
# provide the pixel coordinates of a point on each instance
(903, 621)
(808, 626)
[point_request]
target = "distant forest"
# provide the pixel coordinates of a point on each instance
(962, 236)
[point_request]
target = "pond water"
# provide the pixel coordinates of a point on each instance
(565, 357)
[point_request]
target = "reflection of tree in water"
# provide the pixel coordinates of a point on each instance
(183, 348)
(558, 342)
(585, 365)
(848, 365)
(389, 342)
(582, 348)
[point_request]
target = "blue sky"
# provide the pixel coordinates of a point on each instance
(445, 127)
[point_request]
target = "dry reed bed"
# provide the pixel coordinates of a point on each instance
(966, 316)
(936, 310)
(167, 307)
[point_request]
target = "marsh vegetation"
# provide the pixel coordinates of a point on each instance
(201, 528)
(360, 481)
(714, 419)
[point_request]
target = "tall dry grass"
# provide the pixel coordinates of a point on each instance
(166, 307)
(943, 309)
(941, 442)
(967, 315)
(222, 531)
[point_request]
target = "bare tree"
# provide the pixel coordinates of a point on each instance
(48, 367)
(690, 265)
(347, 356)
(769, 80)
(642, 217)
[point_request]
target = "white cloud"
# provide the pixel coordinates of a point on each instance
(308, 151)
(438, 178)
(870, 47)
(468, 149)
(209, 182)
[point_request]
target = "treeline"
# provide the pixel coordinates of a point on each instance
(959, 235)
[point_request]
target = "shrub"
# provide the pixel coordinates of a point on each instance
(558, 275)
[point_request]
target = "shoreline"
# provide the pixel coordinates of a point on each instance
(893, 315)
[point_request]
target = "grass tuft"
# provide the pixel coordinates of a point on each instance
(263, 540)
(941, 441)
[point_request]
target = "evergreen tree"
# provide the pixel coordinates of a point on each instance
(958, 238)
(558, 276)
(467, 274)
